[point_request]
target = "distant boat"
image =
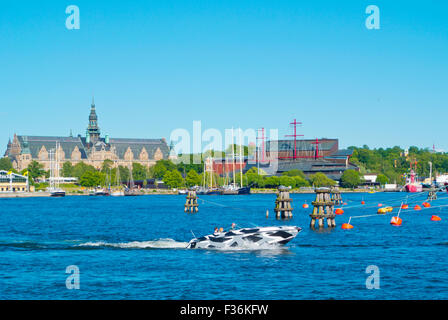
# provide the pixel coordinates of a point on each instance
(411, 183)
(213, 192)
(131, 191)
(57, 193)
(233, 188)
(100, 192)
(244, 190)
(117, 192)
(54, 189)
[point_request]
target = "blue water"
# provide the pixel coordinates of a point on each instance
(116, 244)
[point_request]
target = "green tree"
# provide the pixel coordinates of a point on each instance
(5, 164)
(301, 182)
(107, 164)
(294, 173)
(173, 179)
(287, 181)
(321, 180)
(139, 172)
(253, 178)
(80, 168)
(272, 182)
(125, 174)
(382, 179)
(159, 170)
(350, 179)
(92, 179)
(192, 178)
(36, 169)
(67, 169)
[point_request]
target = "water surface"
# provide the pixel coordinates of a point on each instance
(134, 248)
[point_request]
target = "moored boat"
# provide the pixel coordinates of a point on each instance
(411, 182)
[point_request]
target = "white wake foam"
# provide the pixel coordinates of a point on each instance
(154, 244)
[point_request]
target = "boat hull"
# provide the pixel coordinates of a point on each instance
(244, 190)
(413, 188)
(247, 237)
(57, 194)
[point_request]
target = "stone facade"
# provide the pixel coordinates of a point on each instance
(91, 149)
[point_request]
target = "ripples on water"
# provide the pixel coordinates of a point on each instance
(134, 248)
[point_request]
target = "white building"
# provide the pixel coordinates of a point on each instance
(370, 177)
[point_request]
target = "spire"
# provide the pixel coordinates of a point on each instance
(93, 129)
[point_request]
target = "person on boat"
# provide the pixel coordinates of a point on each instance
(233, 226)
(221, 229)
(216, 230)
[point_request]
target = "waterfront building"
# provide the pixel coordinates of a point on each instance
(307, 155)
(13, 182)
(91, 149)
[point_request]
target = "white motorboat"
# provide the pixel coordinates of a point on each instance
(246, 237)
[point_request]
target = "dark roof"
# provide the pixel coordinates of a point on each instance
(33, 145)
(332, 169)
(343, 153)
(302, 145)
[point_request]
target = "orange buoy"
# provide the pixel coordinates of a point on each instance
(396, 221)
(405, 206)
(380, 204)
(305, 206)
(338, 211)
(426, 204)
(345, 203)
(436, 218)
(363, 202)
(347, 226)
(417, 207)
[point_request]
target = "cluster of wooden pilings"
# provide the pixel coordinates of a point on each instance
(336, 196)
(323, 209)
(283, 208)
(192, 202)
(432, 194)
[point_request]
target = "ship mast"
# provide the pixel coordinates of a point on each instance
(241, 159)
(233, 158)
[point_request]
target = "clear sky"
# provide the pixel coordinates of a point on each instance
(155, 66)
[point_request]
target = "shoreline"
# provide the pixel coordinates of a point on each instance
(7, 195)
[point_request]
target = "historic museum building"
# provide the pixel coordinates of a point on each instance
(91, 149)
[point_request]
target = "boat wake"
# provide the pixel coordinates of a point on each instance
(247, 246)
(173, 244)
(154, 244)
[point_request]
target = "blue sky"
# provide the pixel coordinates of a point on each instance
(155, 66)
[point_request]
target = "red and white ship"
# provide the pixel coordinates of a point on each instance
(412, 185)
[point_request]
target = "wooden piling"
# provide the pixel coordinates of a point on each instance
(336, 196)
(323, 209)
(283, 208)
(192, 202)
(432, 194)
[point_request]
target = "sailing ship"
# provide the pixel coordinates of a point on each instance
(54, 189)
(208, 188)
(233, 188)
(118, 192)
(131, 190)
(100, 191)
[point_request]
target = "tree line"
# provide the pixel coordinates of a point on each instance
(390, 164)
